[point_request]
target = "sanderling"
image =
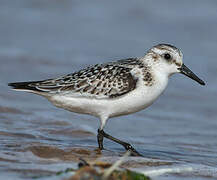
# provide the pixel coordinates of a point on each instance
(115, 88)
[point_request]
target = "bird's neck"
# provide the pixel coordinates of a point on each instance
(161, 79)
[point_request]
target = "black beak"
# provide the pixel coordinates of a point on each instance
(186, 71)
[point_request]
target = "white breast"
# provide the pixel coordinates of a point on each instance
(138, 99)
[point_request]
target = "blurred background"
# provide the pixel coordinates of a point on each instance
(42, 39)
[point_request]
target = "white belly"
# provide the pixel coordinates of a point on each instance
(134, 101)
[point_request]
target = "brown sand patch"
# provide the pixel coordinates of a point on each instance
(2, 133)
(75, 154)
(10, 110)
(70, 132)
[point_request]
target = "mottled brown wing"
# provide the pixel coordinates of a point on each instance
(99, 81)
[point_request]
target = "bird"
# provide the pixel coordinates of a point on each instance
(115, 88)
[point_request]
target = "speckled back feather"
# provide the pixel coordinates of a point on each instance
(107, 80)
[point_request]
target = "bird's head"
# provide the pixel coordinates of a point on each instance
(168, 59)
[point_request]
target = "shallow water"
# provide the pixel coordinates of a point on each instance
(44, 39)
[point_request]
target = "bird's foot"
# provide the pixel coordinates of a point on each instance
(132, 151)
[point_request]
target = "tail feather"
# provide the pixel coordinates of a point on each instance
(25, 86)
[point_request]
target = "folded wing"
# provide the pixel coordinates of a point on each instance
(100, 81)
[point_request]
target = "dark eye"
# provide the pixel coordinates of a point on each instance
(167, 56)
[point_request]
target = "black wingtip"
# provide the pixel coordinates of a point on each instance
(13, 85)
(202, 83)
(22, 85)
(10, 84)
(17, 85)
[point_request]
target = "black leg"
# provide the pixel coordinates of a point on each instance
(100, 140)
(127, 146)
